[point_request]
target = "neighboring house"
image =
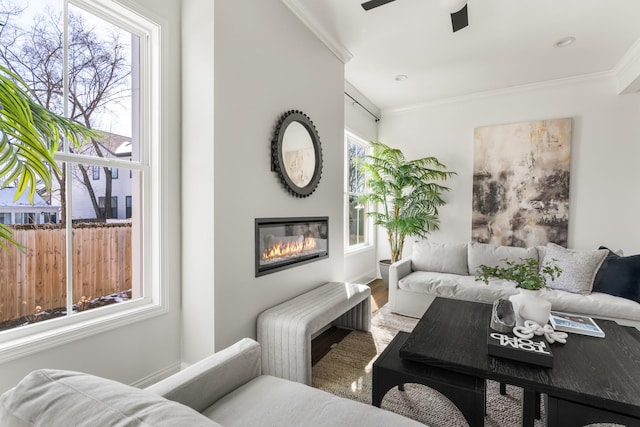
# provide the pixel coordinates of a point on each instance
(23, 212)
(121, 183)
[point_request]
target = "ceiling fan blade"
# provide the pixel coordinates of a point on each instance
(374, 3)
(460, 19)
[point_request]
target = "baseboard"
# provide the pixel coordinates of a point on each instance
(364, 279)
(157, 376)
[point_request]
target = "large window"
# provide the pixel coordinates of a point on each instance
(97, 63)
(357, 224)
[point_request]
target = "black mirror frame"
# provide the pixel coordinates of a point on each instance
(277, 160)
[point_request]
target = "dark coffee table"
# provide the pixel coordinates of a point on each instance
(592, 380)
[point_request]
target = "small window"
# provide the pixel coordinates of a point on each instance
(114, 173)
(127, 205)
(96, 172)
(49, 218)
(357, 226)
(5, 218)
(114, 207)
(25, 218)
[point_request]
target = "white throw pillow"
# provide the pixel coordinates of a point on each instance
(579, 268)
(493, 255)
(439, 257)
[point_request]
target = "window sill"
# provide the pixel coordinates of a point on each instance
(354, 250)
(27, 340)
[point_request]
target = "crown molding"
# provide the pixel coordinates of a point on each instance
(585, 78)
(319, 30)
(627, 70)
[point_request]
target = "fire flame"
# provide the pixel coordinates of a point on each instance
(281, 250)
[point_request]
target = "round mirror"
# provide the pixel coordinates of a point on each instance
(296, 153)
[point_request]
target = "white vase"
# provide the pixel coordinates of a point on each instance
(529, 305)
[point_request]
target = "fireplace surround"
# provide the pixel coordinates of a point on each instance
(282, 243)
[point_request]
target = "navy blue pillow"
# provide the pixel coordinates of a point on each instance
(619, 276)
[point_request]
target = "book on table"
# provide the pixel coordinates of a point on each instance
(575, 323)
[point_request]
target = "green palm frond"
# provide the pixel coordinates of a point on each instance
(29, 135)
(6, 235)
(407, 193)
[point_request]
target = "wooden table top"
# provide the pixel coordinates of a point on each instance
(602, 372)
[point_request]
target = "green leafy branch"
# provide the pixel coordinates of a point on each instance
(526, 274)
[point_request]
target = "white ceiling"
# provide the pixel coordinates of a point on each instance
(507, 43)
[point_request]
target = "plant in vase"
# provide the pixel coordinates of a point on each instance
(530, 278)
(404, 195)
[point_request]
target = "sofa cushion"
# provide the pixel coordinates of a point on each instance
(439, 257)
(619, 276)
(271, 401)
(55, 398)
(457, 286)
(492, 255)
(596, 304)
(579, 268)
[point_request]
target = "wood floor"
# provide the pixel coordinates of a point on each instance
(332, 336)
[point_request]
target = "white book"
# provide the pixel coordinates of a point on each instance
(575, 323)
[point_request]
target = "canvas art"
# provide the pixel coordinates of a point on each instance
(521, 183)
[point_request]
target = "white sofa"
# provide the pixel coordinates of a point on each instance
(448, 270)
(225, 389)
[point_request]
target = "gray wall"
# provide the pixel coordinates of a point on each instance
(266, 63)
(604, 203)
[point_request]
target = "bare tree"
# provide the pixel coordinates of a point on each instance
(99, 74)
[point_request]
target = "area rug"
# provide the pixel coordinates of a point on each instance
(346, 371)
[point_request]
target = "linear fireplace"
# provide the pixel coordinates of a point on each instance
(283, 243)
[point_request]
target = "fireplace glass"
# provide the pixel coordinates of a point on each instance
(283, 243)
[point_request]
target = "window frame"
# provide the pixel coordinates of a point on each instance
(30, 339)
(368, 243)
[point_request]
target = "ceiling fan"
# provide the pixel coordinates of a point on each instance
(457, 9)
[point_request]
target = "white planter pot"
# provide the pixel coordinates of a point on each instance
(529, 305)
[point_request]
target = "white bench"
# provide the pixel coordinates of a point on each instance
(285, 331)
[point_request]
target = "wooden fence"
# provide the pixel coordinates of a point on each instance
(36, 277)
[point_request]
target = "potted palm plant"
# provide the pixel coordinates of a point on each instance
(29, 135)
(404, 195)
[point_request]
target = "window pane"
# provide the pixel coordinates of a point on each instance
(106, 245)
(356, 157)
(102, 64)
(31, 45)
(357, 222)
(32, 283)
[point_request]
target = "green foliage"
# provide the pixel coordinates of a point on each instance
(406, 193)
(526, 274)
(29, 135)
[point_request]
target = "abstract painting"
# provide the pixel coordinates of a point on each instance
(521, 183)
